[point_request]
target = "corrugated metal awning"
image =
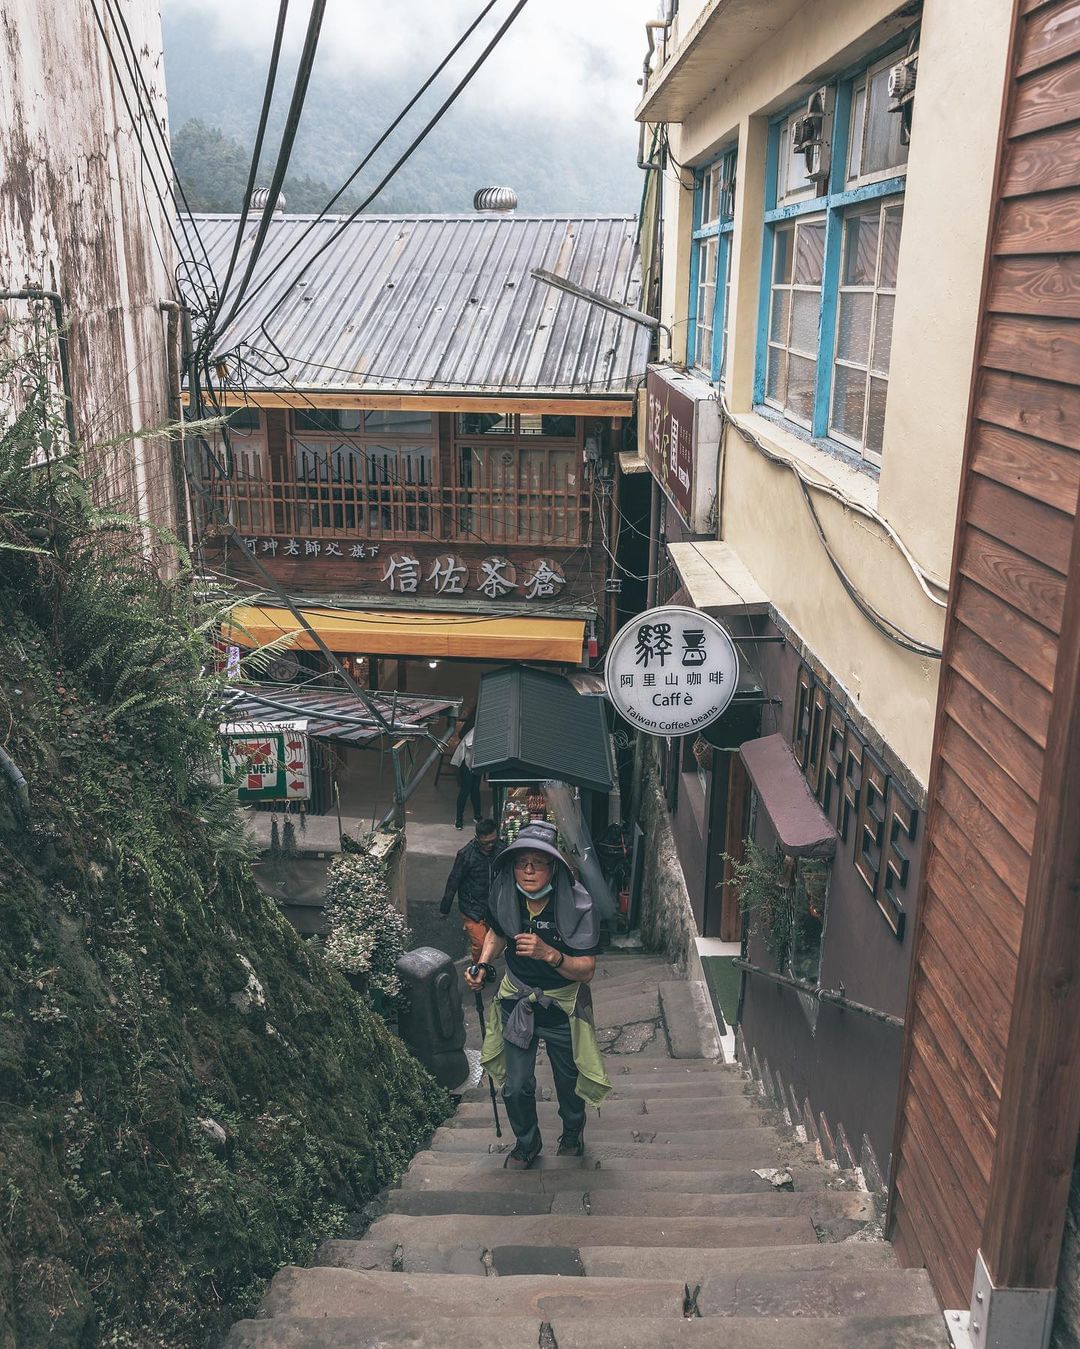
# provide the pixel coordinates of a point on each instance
(386, 633)
(532, 725)
(334, 714)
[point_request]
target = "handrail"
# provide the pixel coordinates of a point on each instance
(828, 995)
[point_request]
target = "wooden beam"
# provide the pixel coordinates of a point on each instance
(1040, 1101)
(607, 406)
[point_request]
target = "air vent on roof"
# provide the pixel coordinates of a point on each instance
(259, 199)
(495, 199)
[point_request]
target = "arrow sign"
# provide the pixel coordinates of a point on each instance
(295, 765)
(297, 786)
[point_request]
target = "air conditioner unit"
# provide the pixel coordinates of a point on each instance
(811, 136)
(902, 80)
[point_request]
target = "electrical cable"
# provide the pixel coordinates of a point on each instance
(413, 145)
(256, 153)
(135, 75)
(167, 211)
(288, 138)
(922, 575)
(230, 358)
(892, 631)
(375, 148)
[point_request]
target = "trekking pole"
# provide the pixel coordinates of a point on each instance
(491, 1084)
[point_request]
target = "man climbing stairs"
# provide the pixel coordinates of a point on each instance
(695, 1217)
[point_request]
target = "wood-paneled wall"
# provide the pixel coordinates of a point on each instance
(1014, 531)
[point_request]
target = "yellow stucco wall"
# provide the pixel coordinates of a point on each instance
(963, 50)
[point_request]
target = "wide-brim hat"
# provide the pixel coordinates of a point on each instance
(537, 836)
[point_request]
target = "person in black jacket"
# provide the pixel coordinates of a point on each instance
(470, 878)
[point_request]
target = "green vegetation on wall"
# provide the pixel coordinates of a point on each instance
(189, 1096)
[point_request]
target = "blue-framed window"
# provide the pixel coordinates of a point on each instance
(835, 180)
(710, 266)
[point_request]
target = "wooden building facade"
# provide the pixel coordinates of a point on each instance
(989, 1108)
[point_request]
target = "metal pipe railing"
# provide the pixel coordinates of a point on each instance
(829, 995)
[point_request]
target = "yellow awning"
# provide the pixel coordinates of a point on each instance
(378, 632)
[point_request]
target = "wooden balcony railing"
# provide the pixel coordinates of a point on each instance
(340, 499)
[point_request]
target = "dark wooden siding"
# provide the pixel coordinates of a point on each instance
(1014, 529)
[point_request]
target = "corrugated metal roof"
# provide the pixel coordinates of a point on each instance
(440, 303)
(332, 714)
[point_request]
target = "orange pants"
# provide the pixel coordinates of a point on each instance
(476, 932)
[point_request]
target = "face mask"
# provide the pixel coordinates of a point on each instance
(537, 894)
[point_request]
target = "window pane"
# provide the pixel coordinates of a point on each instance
(782, 256)
(883, 147)
(776, 377)
(802, 374)
(890, 244)
(883, 333)
(875, 421)
(558, 426)
(245, 420)
(806, 305)
(317, 419)
(860, 250)
(398, 423)
(810, 253)
(484, 424)
(849, 398)
(781, 307)
(858, 108)
(853, 329)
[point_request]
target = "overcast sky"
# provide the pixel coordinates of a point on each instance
(561, 59)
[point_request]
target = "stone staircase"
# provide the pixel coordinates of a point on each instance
(696, 1217)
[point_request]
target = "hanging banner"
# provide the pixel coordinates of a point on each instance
(267, 760)
(671, 671)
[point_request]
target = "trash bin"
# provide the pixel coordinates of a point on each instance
(432, 1022)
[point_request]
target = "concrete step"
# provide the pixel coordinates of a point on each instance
(627, 1160)
(705, 1143)
(690, 1264)
(688, 1181)
(821, 1206)
(674, 1070)
(407, 1330)
(559, 1230)
(734, 1112)
(624, 1088)
(314, 1292)
(620, 1009)
(690, 1033)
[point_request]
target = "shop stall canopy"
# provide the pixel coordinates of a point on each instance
(802, 828)
(336, 715)
(532, 725)
(387, 633)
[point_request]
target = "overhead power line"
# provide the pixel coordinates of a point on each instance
(374, 149)
(288, 138)
(413, 145)
(256, 153)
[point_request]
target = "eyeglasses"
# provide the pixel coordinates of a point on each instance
(531, 864)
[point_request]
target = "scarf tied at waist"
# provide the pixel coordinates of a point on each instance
(573, 999)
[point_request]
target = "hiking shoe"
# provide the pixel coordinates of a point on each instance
(518, 1159)
(571, 1144)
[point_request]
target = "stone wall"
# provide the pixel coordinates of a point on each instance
(667, 922)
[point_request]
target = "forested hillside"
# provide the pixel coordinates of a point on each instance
(554, 165)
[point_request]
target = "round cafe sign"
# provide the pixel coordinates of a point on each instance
(671, 671)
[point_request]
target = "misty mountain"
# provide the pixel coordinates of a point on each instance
(214, 101)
